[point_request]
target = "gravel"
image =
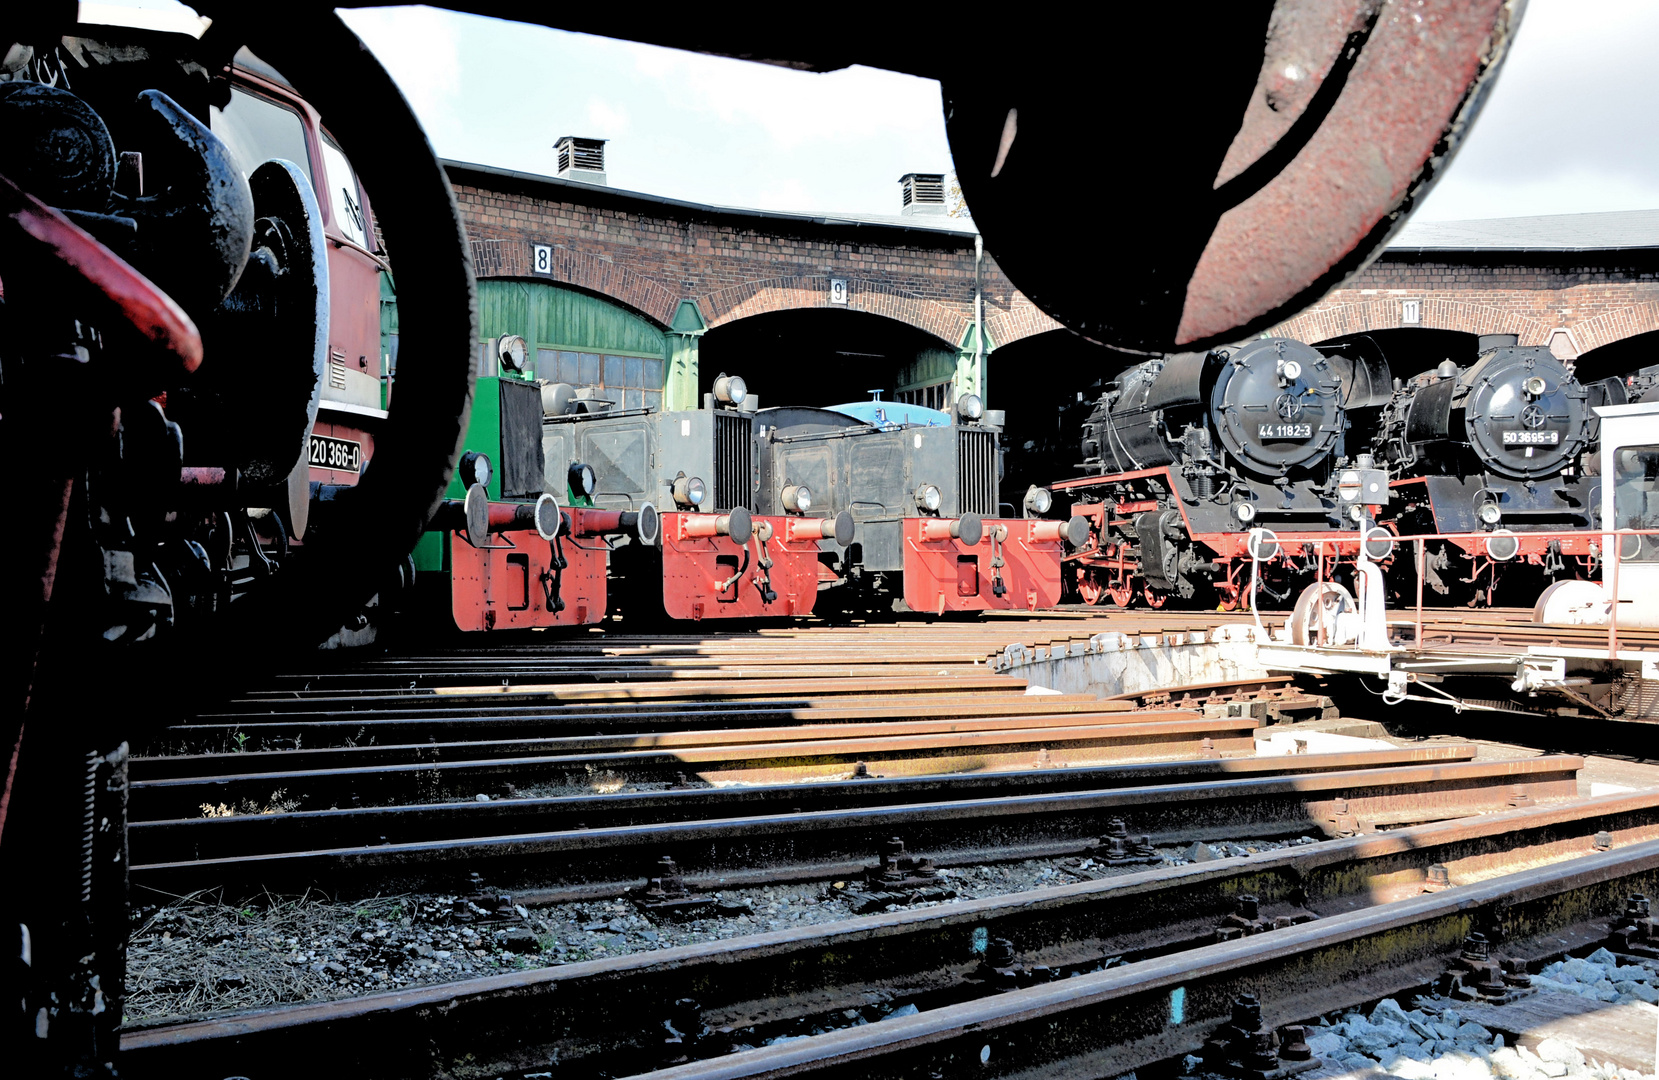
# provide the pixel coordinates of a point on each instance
(196, 956)
(1433, 1042)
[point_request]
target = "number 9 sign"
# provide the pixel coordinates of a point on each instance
(838, 291)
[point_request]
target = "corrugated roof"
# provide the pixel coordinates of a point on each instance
(1617, 230)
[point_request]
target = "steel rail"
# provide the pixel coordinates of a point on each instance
(433, 725)
(735, 687)
(963, 751)
(819, 845)
(1121, 1019)
(152, 767)
(609, 1012)
(248, 834)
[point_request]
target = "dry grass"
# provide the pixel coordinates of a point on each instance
(195, 955)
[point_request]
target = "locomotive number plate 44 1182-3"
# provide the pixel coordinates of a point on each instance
(1532, 438)
(342, 454)
(1284, 431)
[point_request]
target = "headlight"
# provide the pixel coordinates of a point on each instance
(927, 497)
(1291, 371)
(1490, 513)
(1244, 512)
(582, 479)
(689, 490)
(1356, 512)
(1534, 387)
(730, 390)
(970, 406)
(797, 498)
(475, 469)
(1038, 499)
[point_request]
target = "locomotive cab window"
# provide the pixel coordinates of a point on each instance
(1636, 498)
(258, 129)
(345, 198)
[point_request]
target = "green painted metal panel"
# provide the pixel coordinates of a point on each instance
(550, 316)
(429, 553)
(483, 435)
(931, 366)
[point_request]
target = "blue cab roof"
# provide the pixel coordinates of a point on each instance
(892, 414)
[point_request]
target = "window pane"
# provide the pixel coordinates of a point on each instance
(616, 371)
(589, 365)
(547, 365)
(568, 368)
(1636, 499)
(631, 399)
(257, 129)
(651, 374)
(344, 200)
(634, 367)
(651, 399)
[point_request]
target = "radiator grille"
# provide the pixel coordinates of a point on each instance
(976, 471)
(732, 463)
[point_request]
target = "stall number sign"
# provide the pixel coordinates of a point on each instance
(342, 454)
(1284, 431)
(838, 290)
(541, 261)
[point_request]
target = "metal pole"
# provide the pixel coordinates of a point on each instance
(1613, 609)
(979, 320)
(1420, 563)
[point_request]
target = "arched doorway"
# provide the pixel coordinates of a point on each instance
(1623, 359)
(821, 356)
(1047, 384)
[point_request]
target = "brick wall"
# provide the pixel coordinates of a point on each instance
(1573, 309)
(649, 256)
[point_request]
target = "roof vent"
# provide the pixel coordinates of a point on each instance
(923, 193)
(581, 159)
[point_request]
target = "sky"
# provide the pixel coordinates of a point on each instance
(1572, 125)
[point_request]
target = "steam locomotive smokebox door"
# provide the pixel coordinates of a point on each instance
(521, 450)
(1278, 405)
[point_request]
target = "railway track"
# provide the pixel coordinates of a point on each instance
(577, 770)
(1550, 876)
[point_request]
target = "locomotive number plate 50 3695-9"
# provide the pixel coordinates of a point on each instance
(1531, 438)
(1284, 431)
(342, 454)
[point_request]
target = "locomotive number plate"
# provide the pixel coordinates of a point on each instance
(1531, 438)
(342, 454)
(1284, 431)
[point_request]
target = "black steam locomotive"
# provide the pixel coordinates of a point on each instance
(1194, 452)
(1504, 447)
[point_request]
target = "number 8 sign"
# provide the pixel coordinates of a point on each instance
(542, 260)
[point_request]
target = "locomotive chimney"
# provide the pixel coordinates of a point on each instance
(922, 193)
(581, 159)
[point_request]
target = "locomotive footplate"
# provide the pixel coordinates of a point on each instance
(532, 566)
(738, 566)
(1007, 564)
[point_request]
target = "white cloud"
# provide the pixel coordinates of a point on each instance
(606, 121)
(418, 46)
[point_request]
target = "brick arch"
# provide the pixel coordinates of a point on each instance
(812, 291)
(593, 273)
(1383, 313)
(1020, 319)
(1616, 325)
